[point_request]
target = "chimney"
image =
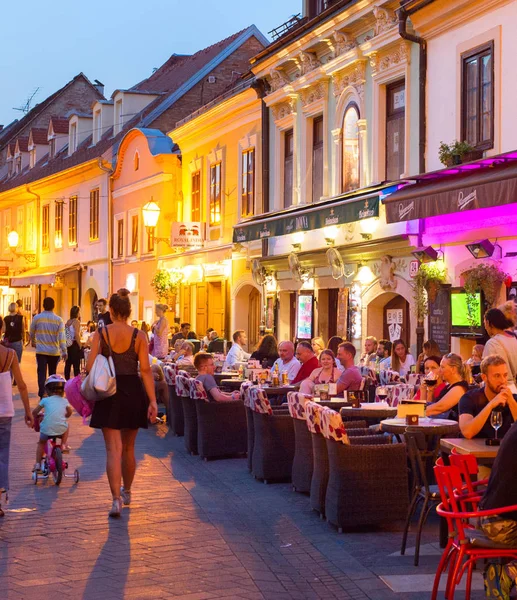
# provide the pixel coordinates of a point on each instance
(99, 87)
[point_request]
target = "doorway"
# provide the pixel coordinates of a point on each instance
(254, 319)
(396, 320)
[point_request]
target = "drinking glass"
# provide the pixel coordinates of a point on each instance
(496, 420)
(382, 393)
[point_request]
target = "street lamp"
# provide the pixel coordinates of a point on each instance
(12, 241)
(151, 214)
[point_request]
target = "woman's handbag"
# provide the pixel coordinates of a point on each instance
(100, 382)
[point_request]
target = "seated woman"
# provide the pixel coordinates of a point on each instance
(431, 393)
(267, 351)
(318, 345)
(176, 351)
(327, 373)
(429, 348)
(186, 354)
(401, 360)
(204, 364)
(454, 373)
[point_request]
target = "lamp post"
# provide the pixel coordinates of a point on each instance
(12, 241)
(151, 214)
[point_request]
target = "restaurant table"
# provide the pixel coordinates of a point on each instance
(231, 384)
(370, 410)
(235, 384)
(475, 446)
(429, 426)
(225, 375)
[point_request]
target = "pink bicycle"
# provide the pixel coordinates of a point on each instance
(53, 464)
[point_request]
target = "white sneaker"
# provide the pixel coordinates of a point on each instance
(116, 507)
(125, 496)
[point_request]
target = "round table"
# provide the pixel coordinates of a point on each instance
(428, 425)
(231, 384)
(370, 411)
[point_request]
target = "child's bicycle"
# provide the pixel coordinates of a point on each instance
(53, 464)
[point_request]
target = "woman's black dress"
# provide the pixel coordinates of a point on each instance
(127, 409)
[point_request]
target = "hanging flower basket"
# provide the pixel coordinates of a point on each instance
(486, 278)
(426, 287)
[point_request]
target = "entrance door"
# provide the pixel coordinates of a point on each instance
(254, 318)
(185, 309)
(332, 312)
(201, 310)
(216, 305)
(395, 130)
(396, 313)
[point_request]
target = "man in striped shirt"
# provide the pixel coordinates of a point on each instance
(48, 337)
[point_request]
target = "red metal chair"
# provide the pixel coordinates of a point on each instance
(466, 545)
(468, 466)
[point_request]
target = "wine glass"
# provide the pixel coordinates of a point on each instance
(382, 393)
(496, 420)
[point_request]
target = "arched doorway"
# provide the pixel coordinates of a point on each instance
(89, 305)
(388, 317)
(248, 310)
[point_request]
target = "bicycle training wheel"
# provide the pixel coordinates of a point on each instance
(76, 476)
(57, 474)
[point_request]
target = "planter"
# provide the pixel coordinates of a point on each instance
(432, 287)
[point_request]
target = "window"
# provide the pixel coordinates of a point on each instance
(477, 115)
(94, 215)
(97, 134)
(18, 164)
(10, 166)
(134, 235)
(73, 138)
(58, 225)
(351, 149)
(316, 7)
(395, 130)
(136, 161)
(120, 238)
(215, 194)
(72, 221)
(150, 235)
(7, 228)
(52, 148)
(196, 196)
(32, 157)
(248, 183)
(45, 214)
(288, 167)
(317, 158)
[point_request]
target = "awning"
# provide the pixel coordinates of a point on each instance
(481, 184)
(42, 275)
(346, 208)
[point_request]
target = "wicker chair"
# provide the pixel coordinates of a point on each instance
(221, 426)
(190, 417)
(175, 409)
(302, 462)
(245, 396)
(360, 486)
(320, 461)
(273, 448)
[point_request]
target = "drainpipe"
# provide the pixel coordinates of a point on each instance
(38, 203)
(403, 16)
(109, 171)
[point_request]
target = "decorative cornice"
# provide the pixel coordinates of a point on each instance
(284, 109)
(278, 78)
(382, 62)
(354, 76)
(343, 42)
(308, 61)
(314, 93)
(384, 20)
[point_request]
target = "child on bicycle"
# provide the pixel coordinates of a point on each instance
(57, 411)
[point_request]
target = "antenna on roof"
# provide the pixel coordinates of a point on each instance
(25, 108)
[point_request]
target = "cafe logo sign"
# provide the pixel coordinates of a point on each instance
(241, 235)
(464, 201)
(187, 235)
(367, 212)
(405, 211)
(331, 219)
(265, 232)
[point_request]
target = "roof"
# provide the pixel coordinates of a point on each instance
(59, 124)
(78, 113)
(23, 144)
(26, 120)
(39, 136)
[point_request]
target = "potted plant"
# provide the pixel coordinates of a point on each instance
(165, 283)
(456, 153)
(486, 278)
(429, 278)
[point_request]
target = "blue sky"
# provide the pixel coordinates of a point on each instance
(118, 42)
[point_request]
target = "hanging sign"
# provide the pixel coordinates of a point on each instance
(186, 234)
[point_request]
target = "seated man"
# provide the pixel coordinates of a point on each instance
(236, 355)
(305, 354)
(287, 361)
(384, 353)
(477, 404)
(351, 379)
(204, 364)
(370, 350)
(186, 355)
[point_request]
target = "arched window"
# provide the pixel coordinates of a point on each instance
(136, 161)
(351, 157)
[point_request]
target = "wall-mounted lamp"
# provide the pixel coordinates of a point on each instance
(426, 254)
(151, 214)
(330, 234)
(12, 241)
(364, 275)
(369, 227)
(484, 249)
(297, 240)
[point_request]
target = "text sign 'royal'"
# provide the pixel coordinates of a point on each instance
(186, 234)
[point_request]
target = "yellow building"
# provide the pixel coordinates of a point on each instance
(220, 146)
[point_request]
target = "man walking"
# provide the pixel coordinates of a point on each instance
(104, 318)
(48, 337)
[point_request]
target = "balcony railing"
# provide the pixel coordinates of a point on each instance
(292, 23)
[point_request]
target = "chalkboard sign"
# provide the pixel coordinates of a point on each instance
(440, 319)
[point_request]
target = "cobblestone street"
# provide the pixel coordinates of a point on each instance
(195, 530)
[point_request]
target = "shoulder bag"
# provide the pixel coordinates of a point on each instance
(100, 383)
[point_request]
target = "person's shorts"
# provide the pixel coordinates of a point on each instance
(45, 438)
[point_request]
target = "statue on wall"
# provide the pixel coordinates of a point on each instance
(387, 279)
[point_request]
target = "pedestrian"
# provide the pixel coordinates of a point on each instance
(123, 414)
(13, 330)
(20, 311)
(502, 342)
(73, 342)
(9, 367)
(104, 317)
(48, 337)
(160, 329)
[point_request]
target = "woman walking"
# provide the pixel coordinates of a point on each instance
(73, 342)
(160, 331)
(123, 414)
(13, 330)
(9, 366)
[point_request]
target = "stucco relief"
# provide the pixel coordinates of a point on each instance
(355, 77)
(382, 62)
(278, 79)
(284, 109)
(313, 93)
(308, 61)
(384, 20)
(344, 42)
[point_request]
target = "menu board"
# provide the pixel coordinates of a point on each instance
(304, 317)
(440, 319)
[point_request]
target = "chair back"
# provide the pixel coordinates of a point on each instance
(387, 376)
(418, 455)
(244, 392)
(296, 403)
(332, 426)
(182, 384)
(169, 372)
(197, 390)
(415, 378)
(259, 402)
(468, 466)
(313, 416)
